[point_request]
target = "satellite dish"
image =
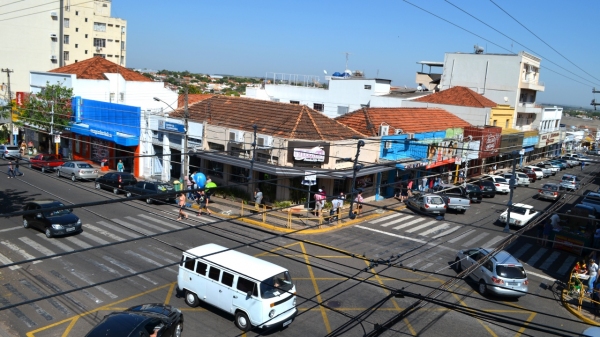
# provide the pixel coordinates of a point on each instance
(325, 72)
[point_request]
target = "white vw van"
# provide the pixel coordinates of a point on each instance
(257, 292)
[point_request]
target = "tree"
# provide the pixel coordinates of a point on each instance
(192, 89)
(50, 109)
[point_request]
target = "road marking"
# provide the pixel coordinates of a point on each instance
(461, 236)
(397, 220)
(40, 293)
(475, 239)
(19, 251)
(409, 223)
(385, 218)
(145, 223)
(413, 263)
(94, 238)
(86, 280)
(133, 227)
(128, 269)
(414, 229)
(522, 250)
(566, 265)
(119, 229)
(78, 242)
(6, 260)
(534, 259)
(426, 266)
(434, 229)
(542, 276)
(103, 232)
(550, 260)
(9, 229)
(405, 238)
(451, 230)
(57, 243)
(75, 286)
(152, 262)
(20, 315)
(163, 222)
(24, 298)
(57, 289)
(493, 241)
(38, 247)
(153, 254)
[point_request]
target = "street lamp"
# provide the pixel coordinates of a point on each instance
(511, 186)
(184, 150)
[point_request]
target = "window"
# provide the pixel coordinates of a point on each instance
(495, 122)
(76, 29)
(188, 263)
(99, 26)
(214, 273)
(201, 268)
(216, 147)
(368, 86)
(122, 59)
(121, 96)
(342, 110)
(76, 45)
(110, 25)
(85, 19)
(76, 12)
(294, 102)
(238, 152)
(99, 43)
(215, 169)
(238, 174)
(506, 125)
(66, 39)
(112, 97)
(86, 51)
(266, 158)
(86, 36)
(227, 279)
(122, 45)
(318, 107)
(108, 55)
(66, 23)
(66, 56)
(246, 285)
(67, 8)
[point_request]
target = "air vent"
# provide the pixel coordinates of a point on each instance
(53, 36)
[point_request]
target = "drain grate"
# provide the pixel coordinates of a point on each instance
(334, 304)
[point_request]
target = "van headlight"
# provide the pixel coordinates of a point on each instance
(272, 313)
(55, 226)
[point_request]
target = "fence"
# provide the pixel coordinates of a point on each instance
(288, 216)
(578, 287)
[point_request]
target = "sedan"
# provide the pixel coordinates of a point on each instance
(521, 178)
(77, 170)
(45, 162)
(142, 320)
(562, 164)
(551, 192)
(115, 181)
(51, 222)
(500, 183)
(427, 203)
(149, 188)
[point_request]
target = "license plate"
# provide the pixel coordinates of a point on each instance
(460, 207)
(286, 323)
(512, 283)
(70, 229)
(435, 212)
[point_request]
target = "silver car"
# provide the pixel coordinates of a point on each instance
(551, 192)
(77, 170)
(521, 180)
(9, 151)
(427, 203)
(502, 274)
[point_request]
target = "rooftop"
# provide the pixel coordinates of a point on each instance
(94, 69)
(192, 98)
(459, 96)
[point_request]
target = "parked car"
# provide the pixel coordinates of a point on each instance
(567, 162)
(539, 173)
(551, 192)
(115, 181)
(488, 189)
(520, 215)
(456, 198)
(530, 173)
(546, 172)
(45, 162)
(77, 170)
(474, 192)
(151, 187)
(500, 183)
(592, 199)
(141, 320)
(501, 275)
(547, 165)
(570, 182)
(573, 161)
(427, 203)
(9, 151)
(521, 178)
(52, 223)
(561, 164)
(585, 159)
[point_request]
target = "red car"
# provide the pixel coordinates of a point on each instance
(45, 162)
(530, 173)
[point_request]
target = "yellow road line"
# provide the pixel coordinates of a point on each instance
(518, 334)
(170, 293)
(316, 287)
(70, 327)
(489, 330)
(276, 249)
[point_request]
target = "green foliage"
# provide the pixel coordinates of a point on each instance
(282, 204)
(37, 108)
(232, 193)
(148, 75)
(192, 89)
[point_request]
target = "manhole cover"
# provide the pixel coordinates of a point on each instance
(334, 304)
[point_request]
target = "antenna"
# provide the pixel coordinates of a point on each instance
(347, 54)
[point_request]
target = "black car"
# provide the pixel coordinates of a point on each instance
(487, 187)
(51, 222)
(150, 187)
(142, 320)
(115, 181)
(474, 193)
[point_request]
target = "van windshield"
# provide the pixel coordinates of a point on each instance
(276, 285)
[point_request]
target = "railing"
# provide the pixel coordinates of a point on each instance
(309, 81)
(577, 287)
(286, 217)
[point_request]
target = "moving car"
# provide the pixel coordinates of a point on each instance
(570, 182)
(474, 192)
(530, 173)
(141, 320)
(488, 188)
(592, 199)
(563, 165)
(521, 178)
(502, 274)
(551, 192)
(539, 173)
(115, 181)
(500, 183)
(571, 160)
(45, 162)
(52, 223)
(520, 215)
(9, 151)
(427, 203)
(151, 187)
(77, 170)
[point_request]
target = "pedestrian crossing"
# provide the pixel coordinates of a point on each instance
(552, 261)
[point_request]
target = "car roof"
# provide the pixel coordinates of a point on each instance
(550, 184)
(502, 257)
(523, 206)
(593, 195)
(119, 324)
(77, 162)
(44, 201)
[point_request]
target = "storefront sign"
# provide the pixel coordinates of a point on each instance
(171, 126)
(310, 178)
(101, 133)
(316, 154)
(308, 152)
(549, 139)
(20, 99)
(489, 138)
(568, 244)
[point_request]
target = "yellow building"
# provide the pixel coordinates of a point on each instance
(502, 115)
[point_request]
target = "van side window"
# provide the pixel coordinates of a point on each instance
(227, 279)
(187, 262)
(201, 268)
(246, 286)
(214, 273)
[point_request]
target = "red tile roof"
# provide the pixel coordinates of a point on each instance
(283, 120)
(460, 96)
(192, 98)
(95, 68)
(410, 120)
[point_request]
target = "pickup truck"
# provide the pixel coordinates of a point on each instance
(45, 162)
(455, 197)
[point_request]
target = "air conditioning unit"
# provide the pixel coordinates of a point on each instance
(384, 130)
(410, 135)
(53, 36)
(398, 131)
(388, 145)
(54, 14)
(264, 141)
(53, 57)
(236, 136)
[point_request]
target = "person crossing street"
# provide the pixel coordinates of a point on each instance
(16, 171)
(11, 171)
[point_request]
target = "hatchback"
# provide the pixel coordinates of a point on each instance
(77, 170)
(551, 192)
(500, 183)
(115, 181)
(570, 182)
(502, 274)
(488, 189)
(51, 222)
(563, 165)
(521, 178)
(149, 188)
(530, 173)
(474, 192)
(9, 151)
(539, 173)
(427, 203)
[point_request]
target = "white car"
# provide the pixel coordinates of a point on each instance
(521, 178)
(520, 215)
(538, 171)
(500, 183)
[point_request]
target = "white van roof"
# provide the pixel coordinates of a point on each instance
(241, 263)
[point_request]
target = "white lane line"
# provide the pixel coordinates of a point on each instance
(409, 223)
(426, 266)
(427, 224)
(395, 221)
(451, 230)
(86, 280)
(94, 238)
(534, 259)
(38, 247)
(475, 239)
(522, 250)
(57, 243)
(434, 229)
(103, 232)
(143, 258)
(78, 242)
(490, 244)
(385, 218)
(161, 221)
(119, 229)
(566, 265)
(133, 227)
(413, 263)
(9, 229)
(6, 260)
(158, 228)
(127, 268)
(550, 260)
(19, 251)
(551, 279)
(462, 236)
(405, 238)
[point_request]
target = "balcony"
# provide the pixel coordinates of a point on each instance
(530, 108)
(532, 84)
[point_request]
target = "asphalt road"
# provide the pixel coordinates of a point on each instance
(140, 245)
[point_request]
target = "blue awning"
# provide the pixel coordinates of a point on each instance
(116, 137)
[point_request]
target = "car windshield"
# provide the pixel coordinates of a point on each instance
(276, 285)
(472, 188)
(550, 187)
(510, 271)
(84, 165)
(501, 180)
(49, 158)
(434, 201)
(49, 214)
(519, 210)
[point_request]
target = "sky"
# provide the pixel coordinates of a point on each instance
(385, 39)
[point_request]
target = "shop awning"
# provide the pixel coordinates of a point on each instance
(116, 137)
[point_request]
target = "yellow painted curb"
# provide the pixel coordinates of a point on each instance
(575, 312)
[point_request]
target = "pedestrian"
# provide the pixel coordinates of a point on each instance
(359, 200)
(207, 195)
(431, 183)
(336, 208)
(182, 201)
(423, 184)
(555, 220)
(546, 232)
(16, 171)
(494, 169)
(11, 171)
(461, 176)
(120, 166)
(319, 201)
(409, 188)
(404, 192)
(398, 189)
(582, 165)
(592, 272)
(258, 196)
(189, 184)
(200, 200)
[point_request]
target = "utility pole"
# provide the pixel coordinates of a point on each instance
(594, 91)
(357, 167)
(511, 186)
(251, 173)
(186, 116)
(8, 71)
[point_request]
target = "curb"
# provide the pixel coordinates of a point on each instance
(575, 312)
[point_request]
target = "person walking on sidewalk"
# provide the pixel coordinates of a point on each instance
(359, 200)
(582, 165)
(258, 196)
(319, 201)
(17, 172)
(336, 208)
(182, 201)
(189, 183)
(11, 171)
(120, 166)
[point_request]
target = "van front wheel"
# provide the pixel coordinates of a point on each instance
(191, 299)
(242, 321)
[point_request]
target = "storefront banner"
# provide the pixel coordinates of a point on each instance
(309, 152)
(315, 154)
(468, 150)
(528, 149)
(168, 126)
(548, 139)
(20, 99)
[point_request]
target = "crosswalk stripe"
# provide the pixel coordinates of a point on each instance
(385, 218)
(161, 221)
(94, 238)
(435, 229)
(550, 260)
(6, 260)
(414, 229)
(103, 232)
(462, 236)
(143, 258)
(127, 268)
(16, 293)
(566, 265)
(57, 243)
(426, 266)
(395, 221)
(475, 239)
(409, 223)
(19, 251)
(451, 230)
(119, 229)
(534, 259)
(522, 250)
(38, 247)
(75, 286)
(159, 229)
(86, 280)
(133, 227)
(413, 263)
(78, 242)
(491, 243)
